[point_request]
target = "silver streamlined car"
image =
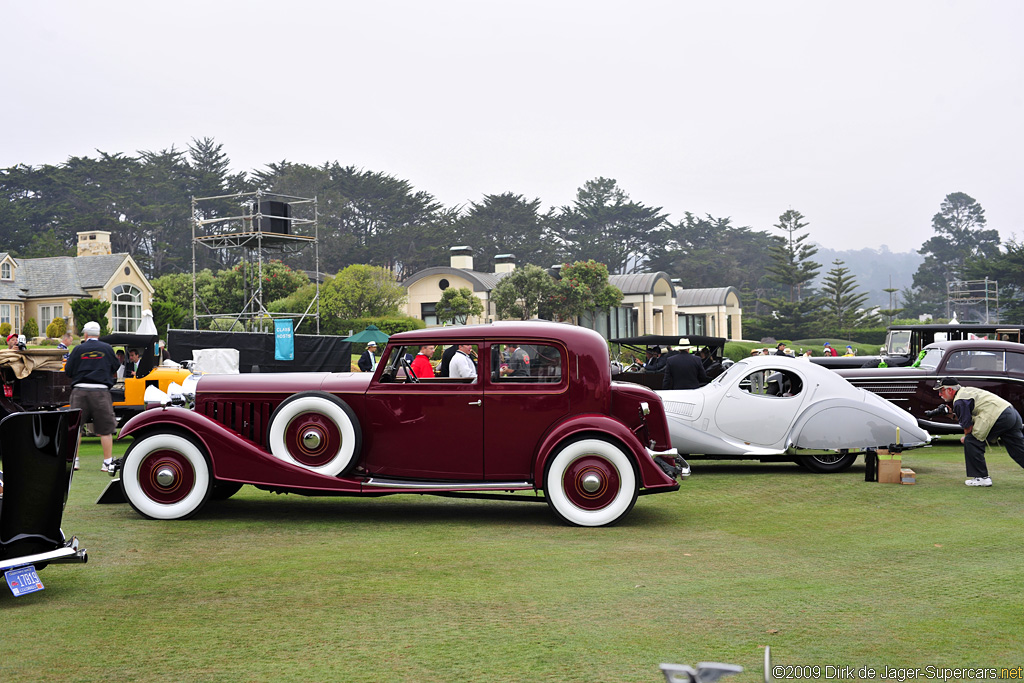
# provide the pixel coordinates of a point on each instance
(770, 408)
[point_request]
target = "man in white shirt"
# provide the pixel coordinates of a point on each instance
(462, 365)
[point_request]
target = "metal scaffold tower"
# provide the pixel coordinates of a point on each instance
(972, 299)
(261, 224)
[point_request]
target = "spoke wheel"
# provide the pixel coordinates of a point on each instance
(590, 483)
(166, 476)
(825, 463)
(317, 431)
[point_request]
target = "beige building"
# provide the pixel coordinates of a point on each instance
(424, 288)
(651, 303)
(43, 288)
(713, 311)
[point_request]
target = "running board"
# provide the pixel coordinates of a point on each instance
(68, 553)
(447, 486)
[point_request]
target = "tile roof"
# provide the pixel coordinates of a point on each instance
(60, 276)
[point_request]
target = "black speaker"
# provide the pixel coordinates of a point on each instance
(275, 217)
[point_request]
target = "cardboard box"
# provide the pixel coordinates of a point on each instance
(889, 465)
(907, 476)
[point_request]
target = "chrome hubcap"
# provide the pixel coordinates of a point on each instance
(165, 476)
(311, 440)
(591, 483)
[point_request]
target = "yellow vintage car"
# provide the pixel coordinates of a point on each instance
(129, 392)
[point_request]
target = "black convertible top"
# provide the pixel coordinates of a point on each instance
(672, 340)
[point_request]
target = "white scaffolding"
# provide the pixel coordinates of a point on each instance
(973, 300)
(260, 224)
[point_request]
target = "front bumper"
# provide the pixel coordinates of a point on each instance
(672, 456)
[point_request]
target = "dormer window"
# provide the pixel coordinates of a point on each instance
(6, 272)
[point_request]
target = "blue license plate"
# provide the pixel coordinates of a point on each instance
(23, 580)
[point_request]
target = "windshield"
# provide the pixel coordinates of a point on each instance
(734, 369)
(898, 343)
(931, 358)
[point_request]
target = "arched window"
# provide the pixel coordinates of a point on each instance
(127, 308)
(5, 271)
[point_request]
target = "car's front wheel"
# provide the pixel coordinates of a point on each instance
(590, 483)
(317, 431)
(825, 463)
(166, 476)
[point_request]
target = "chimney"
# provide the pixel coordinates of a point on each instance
(94, 243)
(504, 263)
(462, 257)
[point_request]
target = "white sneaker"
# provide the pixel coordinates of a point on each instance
(108, 466)
(979, 481)
(76, 462)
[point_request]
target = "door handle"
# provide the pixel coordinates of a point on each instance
(475, 403)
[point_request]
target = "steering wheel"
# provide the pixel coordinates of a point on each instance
(408, 370)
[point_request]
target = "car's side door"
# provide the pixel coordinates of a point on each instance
(760, 406)
(526, 391)
(431, 428)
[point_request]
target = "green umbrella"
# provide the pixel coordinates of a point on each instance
(370, 334)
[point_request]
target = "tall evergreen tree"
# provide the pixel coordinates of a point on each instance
(603, 224)
(960, 234)
(842, 303)
(795, 316)
(506, 223)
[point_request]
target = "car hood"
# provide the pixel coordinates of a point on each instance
(285, 382)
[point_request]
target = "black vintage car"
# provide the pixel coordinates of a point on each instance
(37, 452)
(637, 347)
(996, 366)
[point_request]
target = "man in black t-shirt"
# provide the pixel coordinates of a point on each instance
(92, 367)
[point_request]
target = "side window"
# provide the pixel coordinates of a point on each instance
(772, 382)
(1015, 362)
(976, 361)
(525, 363)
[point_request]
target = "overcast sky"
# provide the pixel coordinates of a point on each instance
(861, 115)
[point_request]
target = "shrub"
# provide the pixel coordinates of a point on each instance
(5, 329)
(388, 326)
(31, 328)
(56, 328)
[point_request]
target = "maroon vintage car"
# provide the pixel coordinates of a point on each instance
(542, 414)
(995, 366)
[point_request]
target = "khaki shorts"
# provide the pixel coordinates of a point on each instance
(97, 406)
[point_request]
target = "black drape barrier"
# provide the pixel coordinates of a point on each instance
(313, 353)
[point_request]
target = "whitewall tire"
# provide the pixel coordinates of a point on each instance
(590, 483)
(317, 431)
(166, 476)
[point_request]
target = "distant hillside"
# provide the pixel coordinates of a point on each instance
(872, 268)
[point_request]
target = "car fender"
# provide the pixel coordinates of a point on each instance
(605, 427)
(849, 423)
(236, 459)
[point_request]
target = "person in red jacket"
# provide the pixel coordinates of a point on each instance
(421, 366)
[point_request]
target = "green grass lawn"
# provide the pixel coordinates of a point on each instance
(827, 569)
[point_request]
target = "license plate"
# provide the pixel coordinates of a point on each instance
(23, 580)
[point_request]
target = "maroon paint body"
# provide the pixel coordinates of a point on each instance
(431, 432)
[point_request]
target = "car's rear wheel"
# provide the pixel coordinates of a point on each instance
(590, 483)
(166, 476)
(825, 463)
(317, 431)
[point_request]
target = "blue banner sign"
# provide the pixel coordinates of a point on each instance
(284, 340)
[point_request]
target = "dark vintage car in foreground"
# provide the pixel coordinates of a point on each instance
(37, 452)
(560, 427)
(995, 366)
